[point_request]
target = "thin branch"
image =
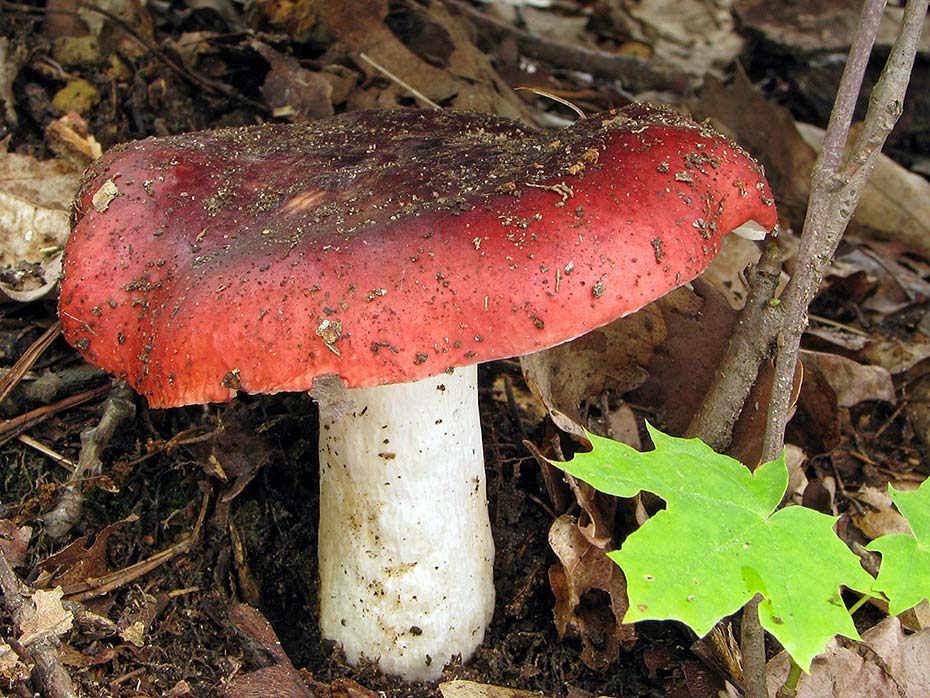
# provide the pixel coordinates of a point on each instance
(752, 646)
(836, 189)
(49, 671)
(749, 345)
(403, 83)
(118, 408)
(12, 377)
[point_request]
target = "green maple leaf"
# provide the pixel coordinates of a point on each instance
(904, 576)
(721, 540)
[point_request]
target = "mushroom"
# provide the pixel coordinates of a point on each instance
(376, 258)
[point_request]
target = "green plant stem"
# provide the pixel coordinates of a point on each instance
(859, 604)
(789, 689)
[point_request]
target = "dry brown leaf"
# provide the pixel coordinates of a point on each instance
(13, 55)
(570, 377)
(696, 36)
(817, 26)
(291, 90)
(766, 130)
(45, 618)
(76, 563)
(895, 666)
(851, 382)
(795, 458)
(877, 282)
(69, 137)
(918, 409)
(471, 689)
(558, 26)
(281, 680)
(698, 324)
(875, 524)
(348, 688)
(726, 272)
(590, 595)
(428, 48)
(277, 681)
(13, 542)
(526, 403)
(12, 669)
(896, 354)
(137, 616)
(35, 197)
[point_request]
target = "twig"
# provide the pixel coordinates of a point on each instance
(837, 183)
(750, 343)
(67, 511)
(752, 647)
(93, 587)
(403, 83)
(11, 428)
(836, 186)
(46, 451)
(636, 74)
(49, 671)
(12, 377)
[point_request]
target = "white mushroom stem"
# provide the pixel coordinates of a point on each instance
(405, 552)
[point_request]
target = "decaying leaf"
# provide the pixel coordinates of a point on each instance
(569, 377)
(430, 51)
(895, 203)
(281, 678)
(44, 618)
(768, 131)
(76, 563)
(696, 36)
(872, 278)
(699, 324)
(851, 382)
(12, 668)
(590, 594)
(34, 200)
(816, 26)
(13, 542)
(894, 666)
(918, 409)
(291, 90)
(472, 689)
(894, 353)
(69, 137)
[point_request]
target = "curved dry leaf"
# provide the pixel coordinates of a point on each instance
(45, 618)
(851, 381)
(893, 666)
(569, 377)
(471, 689)
(35, 197)
(584, 570)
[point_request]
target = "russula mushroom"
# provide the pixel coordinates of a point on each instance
(377, 257)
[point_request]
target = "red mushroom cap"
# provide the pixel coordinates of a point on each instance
(386, 246)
